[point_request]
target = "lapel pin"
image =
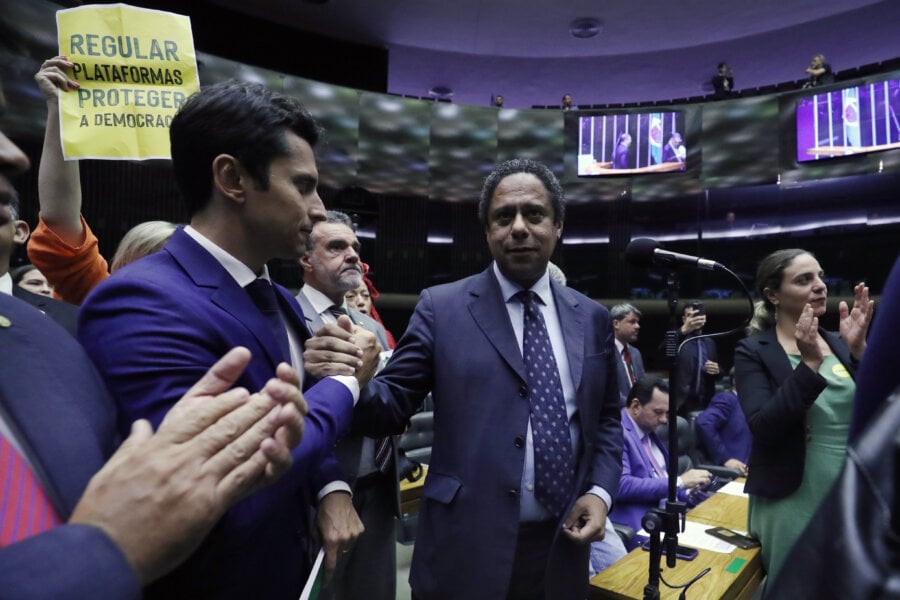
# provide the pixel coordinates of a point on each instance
(4, 322)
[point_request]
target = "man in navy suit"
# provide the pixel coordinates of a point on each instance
(722, 429)
(626, 321)
(101, 537)
(697, 365)
(483, 532)
(14, 231)
(645, 459)
(243, 160)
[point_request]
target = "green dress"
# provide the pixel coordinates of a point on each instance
(779, 522)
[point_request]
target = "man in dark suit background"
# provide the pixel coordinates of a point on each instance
(243, 160)
(490, 524)
(368, 571)
(14, 231)
(697, 366)
(626, 321)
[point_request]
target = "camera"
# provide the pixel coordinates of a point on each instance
(698, 307)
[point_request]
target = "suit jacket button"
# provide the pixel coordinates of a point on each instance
(519, 442)
(523, 391)
(513, 493)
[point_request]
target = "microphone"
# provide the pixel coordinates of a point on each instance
(644, 252)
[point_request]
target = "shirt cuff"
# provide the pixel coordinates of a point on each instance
(603, 495)
(679, 483)
(351, 383)
(334, 486)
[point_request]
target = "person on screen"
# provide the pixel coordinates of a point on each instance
(621, 158)
(674, 150)
(723, 81)
(498, 101)
(819, 72)
(567, 102)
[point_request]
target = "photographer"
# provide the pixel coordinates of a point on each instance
(697, 365)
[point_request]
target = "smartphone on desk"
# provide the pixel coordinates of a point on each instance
(682, 552)
(733, 537)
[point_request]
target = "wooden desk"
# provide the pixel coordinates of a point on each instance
(626, 579)
(723, 510)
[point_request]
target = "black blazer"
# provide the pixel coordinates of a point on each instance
(62, 312)
(775, 399)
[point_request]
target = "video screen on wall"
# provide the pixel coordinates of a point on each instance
(853, 120)
(628, 144)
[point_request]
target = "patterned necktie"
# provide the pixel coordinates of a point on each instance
(263, 295)
(629, 366)
(553, 464)
(24, 508)
(384, 456)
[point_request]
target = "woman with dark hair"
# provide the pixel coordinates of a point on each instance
(30, 278)
(796, 385)
(620, 158)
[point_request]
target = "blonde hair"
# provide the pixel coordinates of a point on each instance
(141, 240)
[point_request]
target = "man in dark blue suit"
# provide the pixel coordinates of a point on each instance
(485, 529)
(100, 537)
(626, 321)
(243, 160)
(697, 366)
(14, 231)
(722, 430)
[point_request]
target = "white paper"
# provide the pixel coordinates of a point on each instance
(314, 575)
(695, 536)
(734, 488)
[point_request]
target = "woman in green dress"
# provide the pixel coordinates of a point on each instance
(796, 388)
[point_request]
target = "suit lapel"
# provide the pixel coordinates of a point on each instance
(488, 309)
(571, 320)
(224, 292)
(311, 318)
(774, 356)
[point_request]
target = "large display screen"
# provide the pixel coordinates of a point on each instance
(628, 144)
(852, 120)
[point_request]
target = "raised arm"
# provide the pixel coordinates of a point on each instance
(59, 182)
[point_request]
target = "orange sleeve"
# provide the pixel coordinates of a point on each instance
(73, 271)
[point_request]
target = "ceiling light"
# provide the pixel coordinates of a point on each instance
(585, 27)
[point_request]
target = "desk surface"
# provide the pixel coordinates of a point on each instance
(731, 576)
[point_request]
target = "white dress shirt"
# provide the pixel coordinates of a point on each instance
(529, 507)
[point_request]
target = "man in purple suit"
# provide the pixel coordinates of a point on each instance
(644, 482)
(243, 159)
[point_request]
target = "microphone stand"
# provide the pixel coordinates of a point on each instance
(668, 521)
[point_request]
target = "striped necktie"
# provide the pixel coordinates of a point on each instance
(629, 366)
(24, 508)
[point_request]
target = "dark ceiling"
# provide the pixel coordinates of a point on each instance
(645, 50)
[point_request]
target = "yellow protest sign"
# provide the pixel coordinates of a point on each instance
(135, 68)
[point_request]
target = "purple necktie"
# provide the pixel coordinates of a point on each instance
(658, 470)
(553, 465)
